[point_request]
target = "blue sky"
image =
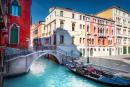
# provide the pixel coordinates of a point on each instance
(40, 8)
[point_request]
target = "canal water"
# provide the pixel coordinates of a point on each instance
(46, 73)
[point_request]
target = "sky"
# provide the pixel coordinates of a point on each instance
(40, 8)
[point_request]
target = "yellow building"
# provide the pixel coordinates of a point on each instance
(122, 27)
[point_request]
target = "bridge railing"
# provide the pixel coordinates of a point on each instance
(20, 53)
(39, 48)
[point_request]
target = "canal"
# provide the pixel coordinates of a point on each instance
(47, 73)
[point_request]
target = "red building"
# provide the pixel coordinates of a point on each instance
(18, 23)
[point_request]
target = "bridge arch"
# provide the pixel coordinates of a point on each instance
(41, 56)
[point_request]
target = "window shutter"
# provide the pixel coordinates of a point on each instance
(10, 8)
(14, 36)
(19, 10)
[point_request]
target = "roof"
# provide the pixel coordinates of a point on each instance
(112, 8)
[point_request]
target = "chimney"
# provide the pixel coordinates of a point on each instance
(118, 6)
(91, 13)
(51, 9)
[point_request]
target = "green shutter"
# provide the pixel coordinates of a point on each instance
(10, 8)
(14, 37)
(19, 10)
(83, 52)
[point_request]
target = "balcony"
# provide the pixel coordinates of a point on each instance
(92, 45)
(95, 34)
(125, 36)
(107, 35)
(101, 35)
(119, 35)
(88, 33)
(113, 35)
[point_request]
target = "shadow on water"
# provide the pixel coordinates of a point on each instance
(46, 73)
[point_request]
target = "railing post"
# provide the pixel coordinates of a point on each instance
(6, 56)
(26, 62)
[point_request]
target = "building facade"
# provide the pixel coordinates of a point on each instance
(3, 32)
(18, 23)
(122, 28)
(70, 30)
(37, 32)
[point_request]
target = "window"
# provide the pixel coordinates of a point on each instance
(94, 29)
(61, 24)
(80, 40)
(87, 28)
(14, 34)
(84, 18)
(129, 23)
(61, 13)
(73, 15)
(92, 41)
(98, 41)
(61, 39)
(88, 19)
(73, 27)
(55, 14)
(83, 26)
(103, 41)
(44, 27)
(128, 16)
(50, 17)
(72, 40)
(36, 31)
(80, 26)
(107, 30)
(83, 40)
(14, 8)
(112, 32)
(80, 17)
(124, 14)
(119, 12)
(124, 21)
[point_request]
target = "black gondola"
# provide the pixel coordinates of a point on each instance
(100, 76)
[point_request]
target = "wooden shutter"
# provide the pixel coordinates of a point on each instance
(14, 37)
(10, 8)
(19, 10)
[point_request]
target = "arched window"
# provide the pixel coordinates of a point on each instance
(107, 30)
(98, 41)
(73, 27)
(61, 39)
(61, 24)
(87, 28)
(103, 41)
(15, 8)
(94, 29)
(14, 34)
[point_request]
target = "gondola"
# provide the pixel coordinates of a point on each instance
(99, 76)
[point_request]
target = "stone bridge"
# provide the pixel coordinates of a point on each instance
(22, 64)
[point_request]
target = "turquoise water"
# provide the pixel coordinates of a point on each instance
(46, 73)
